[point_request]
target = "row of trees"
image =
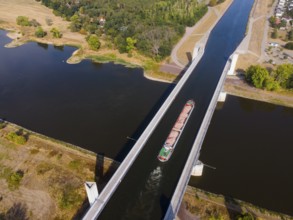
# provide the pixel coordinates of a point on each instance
(152, 27)
(281, 77)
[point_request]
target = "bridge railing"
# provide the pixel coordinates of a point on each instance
(195, 151)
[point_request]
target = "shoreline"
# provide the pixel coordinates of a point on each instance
(105, 55)
(194, 198)
(51, 171)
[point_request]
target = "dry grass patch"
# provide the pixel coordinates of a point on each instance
(44, 176)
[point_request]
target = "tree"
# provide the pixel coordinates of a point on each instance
(271, 85)
(130, 44)
(272, 21)
(75, 23)
(212, 3)
(274, 34)
(56, 33)
(289, 46)
(40, 32)
(93, 42)
(283, 73)
(23, 21)
(257, 76)
(290, 35)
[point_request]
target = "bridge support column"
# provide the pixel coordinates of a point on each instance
(195, 52)
(233, 64)
(91, 191)
(222, 97)
(197, 169)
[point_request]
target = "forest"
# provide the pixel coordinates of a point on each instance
(151, 27)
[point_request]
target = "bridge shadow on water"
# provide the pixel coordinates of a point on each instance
(165, 202)
(104, 170)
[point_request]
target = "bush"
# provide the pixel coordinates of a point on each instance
(75, 164)
(212, 3)
(70, 197)
(56, 33)
(257, 75)
(93, 42)
(43, 168)
(290, 35)
(18, 139)
(40, 32)
(289, 46)
(271, 85)
(274, 34)
(245, 216)
(14, 179)
(2, 124)
(35, 23)
(23, 21)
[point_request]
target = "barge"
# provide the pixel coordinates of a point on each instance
(175, 133)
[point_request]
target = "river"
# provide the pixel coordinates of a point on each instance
(249, 143)
(96, 106)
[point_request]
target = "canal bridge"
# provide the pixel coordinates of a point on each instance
(144, 188)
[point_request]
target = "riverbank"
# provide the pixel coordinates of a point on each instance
(54, 173)
(199, 204)
(35, 10)
(44, 178)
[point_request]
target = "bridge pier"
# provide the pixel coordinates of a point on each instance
(222, 97)
(196, 51)
(231, 70)
(91, 191)
(197, 169)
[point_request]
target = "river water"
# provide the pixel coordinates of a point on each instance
(250, 144)
(96, 106)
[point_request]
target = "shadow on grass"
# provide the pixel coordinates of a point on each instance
(17, 211)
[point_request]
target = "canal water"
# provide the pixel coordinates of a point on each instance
(97, 106)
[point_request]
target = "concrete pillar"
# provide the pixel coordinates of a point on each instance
(195, 52)
(222, 97)
(233, 64)
(91, 191)
(197, 169)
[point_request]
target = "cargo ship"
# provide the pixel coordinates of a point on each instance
(173, 137)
